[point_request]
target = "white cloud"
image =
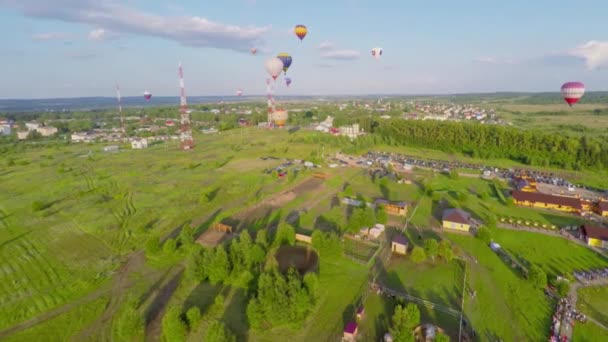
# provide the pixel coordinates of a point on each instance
(118, 17)
(488, 60)
(49, 36)
(97, 34)
(595, 53)
(325, 46)
(341, 54)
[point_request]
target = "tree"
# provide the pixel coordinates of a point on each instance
(174, 328)
(348, 191)
(219, 266)
(418, 255)
(193, 315)
(261, 238)
(445, 250)
(169, 247)
(186, 236)
(129, 322)
(286, 234)
(217, 332)
(369, 217)
(538, 277)
(404, 321)
(381, 216)
(431, 247)
(484, 235)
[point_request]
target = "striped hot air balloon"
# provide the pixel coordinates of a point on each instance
(286, 59)
(572, 92)
(301, 31)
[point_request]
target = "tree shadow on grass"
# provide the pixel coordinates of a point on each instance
(157, 307)
(202, 296)
(201, 224)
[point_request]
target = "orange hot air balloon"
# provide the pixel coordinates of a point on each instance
(301, 31)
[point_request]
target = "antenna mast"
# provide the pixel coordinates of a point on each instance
(122, 120)
(271, 106)
(187, 142)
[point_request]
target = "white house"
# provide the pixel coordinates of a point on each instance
(81, 137)
(32, 126)
(23, 135)
(139, 143)
(47, 131)
(5, 129)
(111, 148)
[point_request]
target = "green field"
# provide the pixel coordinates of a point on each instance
(593, 301)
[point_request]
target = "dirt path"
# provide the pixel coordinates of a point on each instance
(120, 284)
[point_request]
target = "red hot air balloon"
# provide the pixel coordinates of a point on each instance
(572, 92)
(147, 95)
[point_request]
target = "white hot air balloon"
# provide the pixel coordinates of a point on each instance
(239, 92)
(377, 52)
(274, 66)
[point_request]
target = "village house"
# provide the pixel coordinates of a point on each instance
(595, 236)
(23, 135)
(47, 131)
(393, 208)
(456, 219)
(602, 208)
(399, 244)
(525, 184)
(32, 126)
(350, 332)
(139, 143)
(540, 200)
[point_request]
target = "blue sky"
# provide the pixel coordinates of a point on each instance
(70, 48)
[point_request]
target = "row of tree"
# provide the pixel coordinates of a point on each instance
(492, 141)
(433, 249)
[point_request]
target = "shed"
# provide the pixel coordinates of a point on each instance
(399, 244)
(595, 236)
(457, 219)
(350, 331)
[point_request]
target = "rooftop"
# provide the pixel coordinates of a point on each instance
(400, 239)
(350, 328)
(538, 197)
(457, 216)
(595, 232)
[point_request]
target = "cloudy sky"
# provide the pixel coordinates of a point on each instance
(70, 48)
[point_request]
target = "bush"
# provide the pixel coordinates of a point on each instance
(38, 206)
(538, 277)
(563, 287)
(193, 315)
(484, 235)
(217, 332)
(418, 255)
(174, 328)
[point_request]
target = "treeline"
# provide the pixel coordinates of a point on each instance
(491, 141)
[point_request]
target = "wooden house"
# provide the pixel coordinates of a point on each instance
(392, 208)
(546, 201)
(456, 219)
(595, 236)
(399, 244)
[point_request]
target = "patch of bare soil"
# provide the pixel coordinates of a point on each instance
(211, 238)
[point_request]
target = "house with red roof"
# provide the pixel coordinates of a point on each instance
(350, 332)
(456, 219)
(595, 236)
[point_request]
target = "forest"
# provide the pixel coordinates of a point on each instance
(485, 141)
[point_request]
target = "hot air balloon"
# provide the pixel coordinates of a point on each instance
(286, 59)
(253, 51)
(572, 92)
(301, 31)
(147, 95)
(377, 52)
(274, 67)
(287, 81)
(279, 116)
(239, 92)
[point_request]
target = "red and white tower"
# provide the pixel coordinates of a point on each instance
(186, 141)
(122, 120)
(271, 106)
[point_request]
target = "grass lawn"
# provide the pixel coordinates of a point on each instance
(506, 306)
(438, 282)
(593, 301)
(64, 326)
(589, 332)
(557, 256)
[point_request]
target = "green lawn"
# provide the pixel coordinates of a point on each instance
(593, 301)
(505, 305)
(557, 256)
(589, 332)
